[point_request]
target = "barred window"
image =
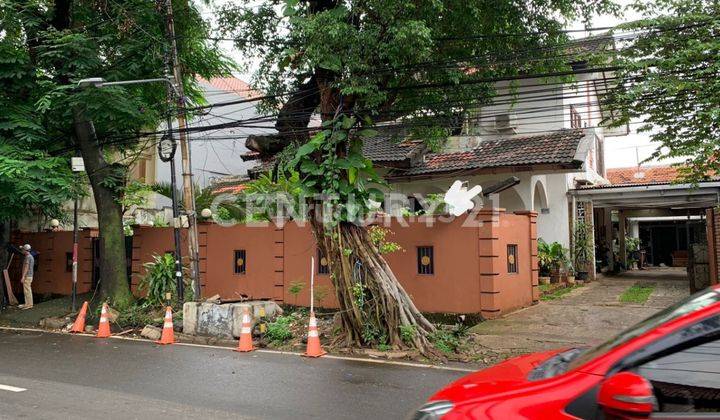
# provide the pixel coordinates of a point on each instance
(323, 263)
(512, 266)
(425, 260)
(240, 262)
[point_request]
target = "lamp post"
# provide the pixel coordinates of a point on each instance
(77, 165)
(166, 152)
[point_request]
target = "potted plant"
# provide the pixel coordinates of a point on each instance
(544, 262)
(570, 270)
(583, 247)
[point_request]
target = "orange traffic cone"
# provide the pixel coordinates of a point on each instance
(313, 341)
(246, 344)
(79, 324)
(168, 334)
(104, 326)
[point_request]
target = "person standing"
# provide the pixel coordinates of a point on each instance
(28, 271)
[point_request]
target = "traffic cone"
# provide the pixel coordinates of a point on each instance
(168, 334)
(246, 344)
(104, 326)
(313, 341)
(79, 324)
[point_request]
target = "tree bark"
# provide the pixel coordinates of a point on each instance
(113, 265)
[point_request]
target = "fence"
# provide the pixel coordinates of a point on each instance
(486, 263)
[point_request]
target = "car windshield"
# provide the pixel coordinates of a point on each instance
(697, 301)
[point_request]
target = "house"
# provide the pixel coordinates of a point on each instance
(547, 134)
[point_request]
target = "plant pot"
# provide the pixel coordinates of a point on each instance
(581, 275)
(544, 280)
(570, 280)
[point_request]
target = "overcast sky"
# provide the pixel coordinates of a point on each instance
(620, 151)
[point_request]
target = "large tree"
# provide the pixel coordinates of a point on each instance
(52, 45)
(668, 81)
(358, 62)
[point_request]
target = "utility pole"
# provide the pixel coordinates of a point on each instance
(78, 165)
(188, 193)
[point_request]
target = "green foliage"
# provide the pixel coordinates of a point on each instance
(666, 79)
(378, 237)
(40, 64)
(377, 51)
(407, 333)
(278, 332)
(449, 340)
(159, 221)
(346, 182)
(320, 293)
(135, 194)
(549, 292)
(264, 194)
(583, 245)
(159, 280)
(551, 256)
(295, 288)
(637, 293)
(632, 245)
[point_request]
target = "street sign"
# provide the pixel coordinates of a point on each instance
(77, 164)
(459, 198)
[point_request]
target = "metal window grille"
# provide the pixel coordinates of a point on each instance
(425, 260)
(240, 262)
(323, 263)
(512, 266)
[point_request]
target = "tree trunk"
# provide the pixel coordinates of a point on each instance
(113, 265)
(373, 304)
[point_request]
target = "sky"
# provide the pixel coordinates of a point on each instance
(623, 151)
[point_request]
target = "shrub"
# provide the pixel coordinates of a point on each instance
(159, 280)
(407, 333)
(278, 331)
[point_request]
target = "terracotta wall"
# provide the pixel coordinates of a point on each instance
(53, 275)
(470, 258)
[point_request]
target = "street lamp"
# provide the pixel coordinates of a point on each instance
(99, 82)
(166, 152)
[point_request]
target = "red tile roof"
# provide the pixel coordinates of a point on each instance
(557, 148)
(642, 175)
(232, 85)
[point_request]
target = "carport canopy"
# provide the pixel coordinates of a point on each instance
(652, 196)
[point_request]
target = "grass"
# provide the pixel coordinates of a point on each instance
(637, 293)
(548, 293)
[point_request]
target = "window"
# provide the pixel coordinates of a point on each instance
(323, 264)
(68, 262)
(240, 261)
(425, 261)
(512, 258)
(575, 118)
(687, 380)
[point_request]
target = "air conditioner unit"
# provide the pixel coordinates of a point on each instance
(506, 122)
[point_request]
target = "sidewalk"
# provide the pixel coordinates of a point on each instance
(588, 315)
(14, 317)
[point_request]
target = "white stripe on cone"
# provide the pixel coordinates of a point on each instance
(313, 333)
(168, 325)
(313, 322)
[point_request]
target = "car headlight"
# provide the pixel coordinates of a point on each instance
(433, 410)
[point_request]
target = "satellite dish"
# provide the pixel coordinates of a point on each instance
(459, 199)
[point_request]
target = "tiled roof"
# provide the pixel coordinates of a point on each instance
(560, 148)
(232, 85)
(391, 147)
(642, 175)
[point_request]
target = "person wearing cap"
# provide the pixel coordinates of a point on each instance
(28, 271)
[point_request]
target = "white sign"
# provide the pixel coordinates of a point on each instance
(77, 164)
(459, 198)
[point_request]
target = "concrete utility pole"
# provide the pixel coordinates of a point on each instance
(188, 187)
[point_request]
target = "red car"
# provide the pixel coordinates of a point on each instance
(666, 367)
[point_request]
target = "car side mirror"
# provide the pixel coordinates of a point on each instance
(626, 395)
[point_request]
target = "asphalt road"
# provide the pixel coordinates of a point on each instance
(83, 377)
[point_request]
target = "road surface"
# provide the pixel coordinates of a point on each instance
(53, 376)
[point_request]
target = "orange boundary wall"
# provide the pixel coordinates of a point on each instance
(470, 261)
